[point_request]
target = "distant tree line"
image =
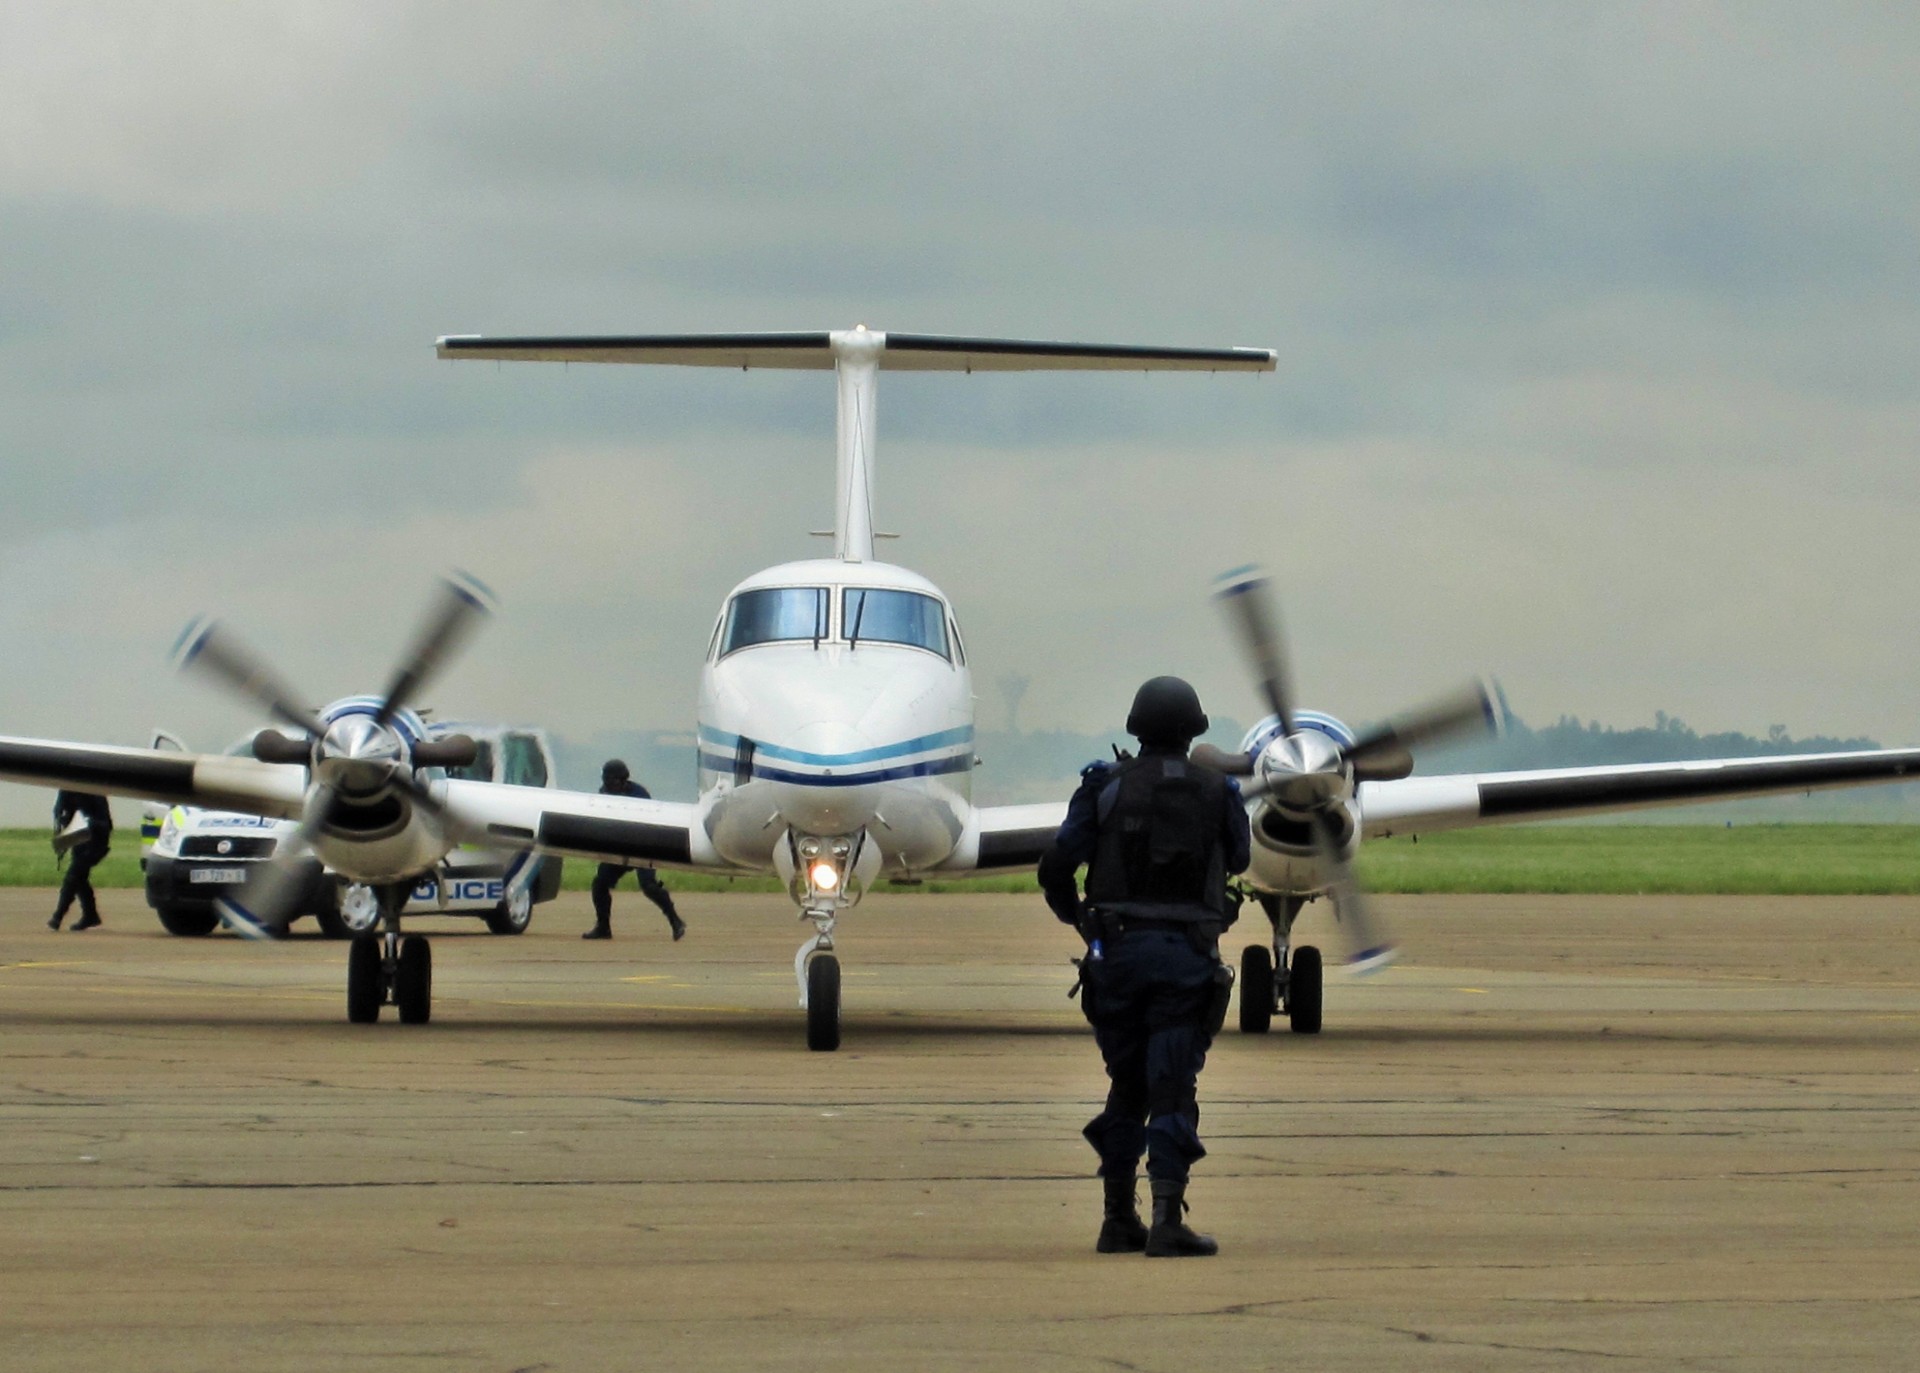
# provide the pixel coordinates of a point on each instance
(1570, 742)
(1039, 765)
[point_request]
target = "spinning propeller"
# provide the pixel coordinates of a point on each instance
(357, 760)
(1309, 775)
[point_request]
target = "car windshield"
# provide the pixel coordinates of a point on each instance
(877, 615)
(774, 613)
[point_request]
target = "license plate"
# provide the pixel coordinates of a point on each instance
(223, 876)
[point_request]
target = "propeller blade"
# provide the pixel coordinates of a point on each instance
(1249, 605)
(208, 647)
(462, 603)
(270, 898)
(1385, 764)
(1454, 713)
(271, 746)
(1233, 764)
(1370, 947)
(417, 790)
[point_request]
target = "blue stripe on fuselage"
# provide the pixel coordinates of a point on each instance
(924, 744)
(759, 772)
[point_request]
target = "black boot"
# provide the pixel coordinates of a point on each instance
(1170, 1237)
(87, 920)
(603, 930)
(58, 916)
(1122, 1231)
(679, 927)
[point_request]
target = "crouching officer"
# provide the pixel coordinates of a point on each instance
(1159, 835)
(616, 780)
(83, 847)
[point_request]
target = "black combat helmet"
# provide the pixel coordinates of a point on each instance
(614, 771)
(1166, 710)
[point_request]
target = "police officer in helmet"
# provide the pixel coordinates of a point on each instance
(1159, 836)
(617, 780)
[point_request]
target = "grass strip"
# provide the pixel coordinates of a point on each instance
(1831, 860)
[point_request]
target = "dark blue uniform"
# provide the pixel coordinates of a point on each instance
(81, 859)
(609, 875)
(1150, 989)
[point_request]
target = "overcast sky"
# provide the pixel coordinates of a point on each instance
(1598, 330)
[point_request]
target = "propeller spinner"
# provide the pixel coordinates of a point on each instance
(1310, 775)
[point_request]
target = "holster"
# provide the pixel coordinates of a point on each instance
(1222, 997)
(1086, 986)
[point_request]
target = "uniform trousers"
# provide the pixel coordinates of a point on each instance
(605, 880)
(1151, 994)
(78, 881)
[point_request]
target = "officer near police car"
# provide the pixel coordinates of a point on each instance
(617, 780)
(82, 832)
(1159, 835)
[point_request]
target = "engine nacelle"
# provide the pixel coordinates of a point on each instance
(374, 831)
(1296, 779)
(1268, 730)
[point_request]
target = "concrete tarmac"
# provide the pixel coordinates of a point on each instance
(1568, 1133)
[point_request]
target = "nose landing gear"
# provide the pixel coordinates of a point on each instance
(1286, 980)
(386, 969)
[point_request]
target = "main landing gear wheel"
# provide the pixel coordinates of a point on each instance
(823, 1003)
(1256, 990)
(413, 981)
(366, 981)
(1303, 991)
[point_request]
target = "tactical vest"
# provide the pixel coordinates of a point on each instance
(1159, 852)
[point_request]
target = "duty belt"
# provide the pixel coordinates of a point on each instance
(1130, 923)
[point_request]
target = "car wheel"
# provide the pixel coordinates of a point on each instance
(187, 920)
(353, 911)
(513, 915)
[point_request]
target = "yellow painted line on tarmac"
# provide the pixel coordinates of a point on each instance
(47, 963)
(648, 977)
(626, 1006)
(127, 990)
(1474, 991)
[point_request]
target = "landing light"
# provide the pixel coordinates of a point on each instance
(824, 876)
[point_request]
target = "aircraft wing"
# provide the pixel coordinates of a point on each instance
(215, 781)
(1006, 838)
(1422, 805)
(582, 824)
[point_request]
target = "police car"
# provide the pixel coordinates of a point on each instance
(192, 856)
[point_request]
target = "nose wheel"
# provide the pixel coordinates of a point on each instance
(823, 1003)
(385, 969)
(1285, 980)
(818, 972)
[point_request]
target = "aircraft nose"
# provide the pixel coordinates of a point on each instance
(823, 780)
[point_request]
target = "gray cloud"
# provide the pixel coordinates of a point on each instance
(1598, 328)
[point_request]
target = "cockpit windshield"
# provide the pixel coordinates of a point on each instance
(878, 615)
(773, 613)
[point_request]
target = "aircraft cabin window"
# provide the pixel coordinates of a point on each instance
(772, 614)
(480, 769)
(875, 615)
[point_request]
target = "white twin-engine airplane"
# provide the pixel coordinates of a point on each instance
(836, 734)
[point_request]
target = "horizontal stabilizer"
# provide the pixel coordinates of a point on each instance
(893, 352)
